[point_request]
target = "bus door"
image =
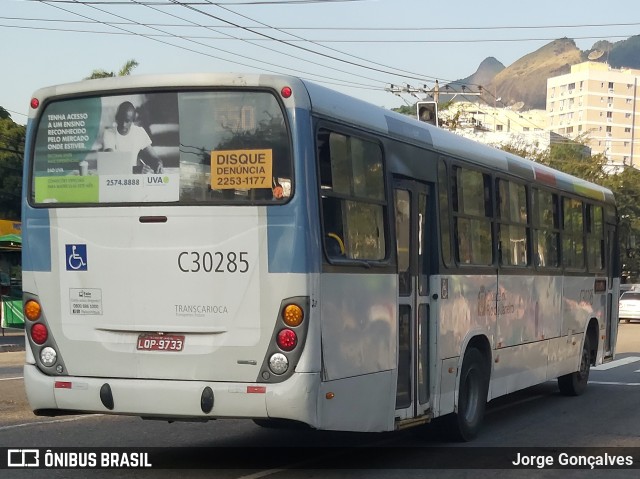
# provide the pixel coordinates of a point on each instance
(611, 264)
(411, 206)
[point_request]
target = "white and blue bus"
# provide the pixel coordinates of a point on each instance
(252, 246)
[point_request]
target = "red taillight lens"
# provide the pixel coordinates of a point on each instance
(287, 339)
(39, 333)
(35, 103)
(286, 92)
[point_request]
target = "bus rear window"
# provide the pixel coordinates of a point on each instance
(219, 147)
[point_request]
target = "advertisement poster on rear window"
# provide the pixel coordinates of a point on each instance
(113, 149)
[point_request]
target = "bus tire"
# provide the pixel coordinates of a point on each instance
(464, 424)
(574, 384)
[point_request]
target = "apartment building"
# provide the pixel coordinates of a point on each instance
(500, 126)
(600, 104)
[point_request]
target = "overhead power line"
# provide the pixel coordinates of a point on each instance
(151, 37)
(311, 40)
(389, 71)
(16, 112)
(347, 29)
(318, 42)
(308, 50)
(295, 41)
(229, 37)
(398, 71)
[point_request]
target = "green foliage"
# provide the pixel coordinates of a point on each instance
(572, 158)
(409, 110)
(126, 69)
(525, 150)
(625, 53)
(626, 188)
(4, 114)
(11, 155)
(99, 73)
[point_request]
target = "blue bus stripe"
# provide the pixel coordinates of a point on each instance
(293, 229)
(36, 226)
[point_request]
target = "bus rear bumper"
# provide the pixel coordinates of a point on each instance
(293, 399)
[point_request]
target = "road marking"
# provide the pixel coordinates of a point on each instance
(616, 363)
(613, 383)
(53, 421)
(264, 473)
(11, 379)
(302, 464)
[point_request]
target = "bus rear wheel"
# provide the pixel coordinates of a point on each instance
(575, 383)
(464, 424)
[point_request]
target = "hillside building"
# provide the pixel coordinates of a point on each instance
(600, 104)
(499, 126)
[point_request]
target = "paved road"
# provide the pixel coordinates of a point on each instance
(605, 417)
(11, 340)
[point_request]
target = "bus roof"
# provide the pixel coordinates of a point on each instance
(332, 104)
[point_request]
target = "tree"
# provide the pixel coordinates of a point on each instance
(625, 186)
(4, 114)
(126, 70)
(12, 138)
(571, 158)
(574, 158)
(409, 110)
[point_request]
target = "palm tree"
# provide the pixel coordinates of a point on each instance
(126, 69)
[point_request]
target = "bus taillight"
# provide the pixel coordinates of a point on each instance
(39, 333)
(35, 103)
(32, 310)
(48, 356)
(287, 339)
(292, 315)
(286, 91)
(278, 363)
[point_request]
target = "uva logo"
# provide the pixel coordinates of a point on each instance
(157, 180)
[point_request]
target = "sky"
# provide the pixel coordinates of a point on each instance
(359, 47)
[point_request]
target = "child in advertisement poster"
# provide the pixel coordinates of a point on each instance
(129, 137)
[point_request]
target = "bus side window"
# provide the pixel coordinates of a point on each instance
(324, 159)
(472, 210)
(335, 246)
(334, 231)
(352, 188)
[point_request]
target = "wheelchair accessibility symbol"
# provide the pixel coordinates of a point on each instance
(76, 257)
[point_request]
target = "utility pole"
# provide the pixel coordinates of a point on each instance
(427, 110)
(633, 118)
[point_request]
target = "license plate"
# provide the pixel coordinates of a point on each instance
(160, 342)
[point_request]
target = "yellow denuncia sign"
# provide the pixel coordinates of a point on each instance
(241, 169)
